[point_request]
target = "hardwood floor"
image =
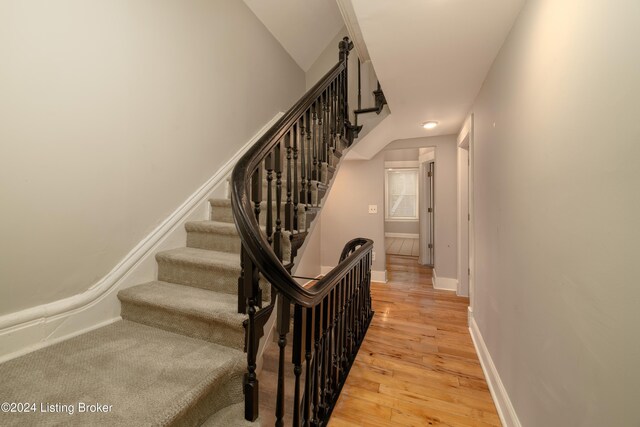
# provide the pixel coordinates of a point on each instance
(417, 365)
(402, 246)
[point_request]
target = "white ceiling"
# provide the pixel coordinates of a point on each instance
(303, 27)
(431, 57)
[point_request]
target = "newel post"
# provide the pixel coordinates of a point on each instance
(350, 131)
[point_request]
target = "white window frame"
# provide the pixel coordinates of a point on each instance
(386, 195)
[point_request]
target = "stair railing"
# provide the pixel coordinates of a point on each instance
(331, 316)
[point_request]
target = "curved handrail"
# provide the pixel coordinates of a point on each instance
(254, 242)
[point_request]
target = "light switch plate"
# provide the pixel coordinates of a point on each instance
(373, 209)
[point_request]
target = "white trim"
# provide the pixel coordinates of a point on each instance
(379, 276)
(465, 131)
(505, 408)
(444, 283)
(403, 235)
(376, 275)
(40, 326)
(353, 28)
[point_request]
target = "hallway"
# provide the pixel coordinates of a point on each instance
(417, 365)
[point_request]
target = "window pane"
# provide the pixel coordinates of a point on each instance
(402, 197)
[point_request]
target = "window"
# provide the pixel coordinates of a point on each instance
(401, 194)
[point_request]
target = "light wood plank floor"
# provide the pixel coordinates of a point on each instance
(417, 365)
(402, 246)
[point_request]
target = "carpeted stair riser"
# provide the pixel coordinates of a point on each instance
(199, 268)
(223, 237)
(221, 211)
(176, 266)
(197, 313)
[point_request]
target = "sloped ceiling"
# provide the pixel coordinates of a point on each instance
(303, 27)
(431, 57)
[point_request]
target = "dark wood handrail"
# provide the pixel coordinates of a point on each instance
(257, 246)
(332, 315)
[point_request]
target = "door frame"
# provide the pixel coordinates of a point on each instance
(466, 258)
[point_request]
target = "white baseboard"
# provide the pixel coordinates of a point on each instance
(376, 275)
(507, 413)
(403, 235)
(444, 283)
(37, 327)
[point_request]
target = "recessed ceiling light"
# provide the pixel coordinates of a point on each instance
(429, 125)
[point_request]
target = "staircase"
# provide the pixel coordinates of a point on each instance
(186, 349)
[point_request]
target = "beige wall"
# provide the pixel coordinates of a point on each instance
(345, 214)
(111, 115)
(327, 59)
(556, 207)
(445, 204)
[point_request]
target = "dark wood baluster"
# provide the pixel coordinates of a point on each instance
(335, 113)
(354, 312)
(251, 384)
(347, 353)
(288, 206)
(309, 157)
(314, 141)
(268, 164)
(336, 108)
(283, 322)
(299, 329)
(339, 124)
(319, 138)
(347, 326)
(323, 404)
(303, 158)
(332, 125)
(277, 240)
(325, 127)
(296, 191)
(339, 334)
(308, 356)
(332, 344)
(317, 363)
(359, 317)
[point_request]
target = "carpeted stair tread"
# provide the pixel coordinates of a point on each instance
(198, 313)
(149, 377)
(184, 299)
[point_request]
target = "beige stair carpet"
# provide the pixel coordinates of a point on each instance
(175, 359)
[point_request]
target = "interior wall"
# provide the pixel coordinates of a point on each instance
(445, 203)
(345, 213)
(556, 203)
(327, 59)
(111, 115)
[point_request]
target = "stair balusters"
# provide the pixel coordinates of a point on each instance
(331, 316)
